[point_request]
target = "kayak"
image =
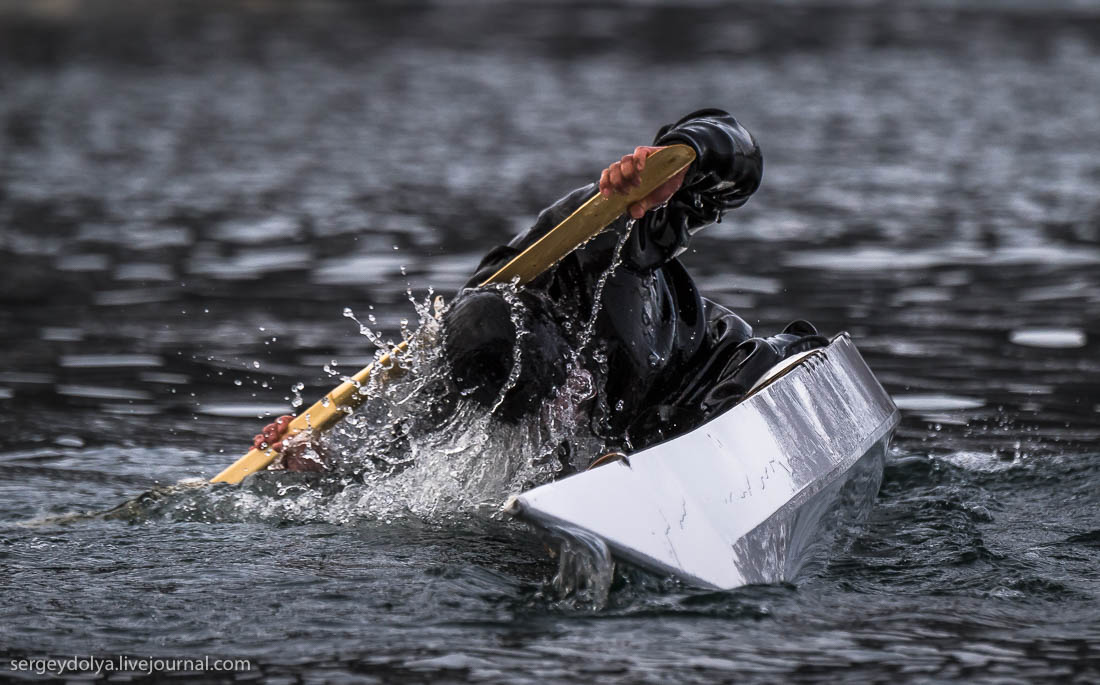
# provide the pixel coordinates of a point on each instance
(748, 497)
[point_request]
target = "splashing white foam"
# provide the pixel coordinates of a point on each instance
(416, 447)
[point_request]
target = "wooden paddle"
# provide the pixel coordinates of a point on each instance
(577, 229)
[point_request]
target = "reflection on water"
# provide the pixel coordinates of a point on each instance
(190, 199)
(1048, 337)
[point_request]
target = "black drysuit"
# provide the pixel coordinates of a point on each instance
(668, 359)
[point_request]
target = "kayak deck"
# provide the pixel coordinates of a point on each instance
(742, 498)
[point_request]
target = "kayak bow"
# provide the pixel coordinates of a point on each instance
(750, 496)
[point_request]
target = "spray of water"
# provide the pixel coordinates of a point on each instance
(416, 447)
(585, 569)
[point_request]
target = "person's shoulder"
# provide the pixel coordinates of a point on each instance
(711, 113)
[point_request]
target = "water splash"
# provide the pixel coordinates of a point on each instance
(585, 569)
(587, 332)
(517, 315)
(417, 447)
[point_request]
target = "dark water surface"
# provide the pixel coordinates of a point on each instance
(190, 197)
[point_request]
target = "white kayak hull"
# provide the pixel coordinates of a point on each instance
(748, 496)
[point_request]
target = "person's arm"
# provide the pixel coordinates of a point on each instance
(727, 170)
(548, 219)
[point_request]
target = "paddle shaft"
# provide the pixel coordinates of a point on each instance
(578, 228)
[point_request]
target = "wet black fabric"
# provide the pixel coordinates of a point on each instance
(720, 381)
(480, 344)
(673, 358)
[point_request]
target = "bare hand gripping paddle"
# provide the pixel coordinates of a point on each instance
(577, 229)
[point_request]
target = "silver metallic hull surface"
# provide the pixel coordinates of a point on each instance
(742, 498)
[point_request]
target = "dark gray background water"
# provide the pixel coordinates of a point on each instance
(185, 191)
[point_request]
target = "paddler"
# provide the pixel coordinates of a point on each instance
(663, 359)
